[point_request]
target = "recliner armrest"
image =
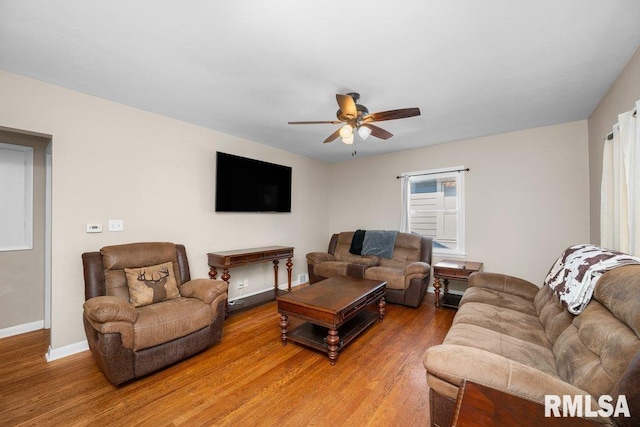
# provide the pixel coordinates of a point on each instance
(105, 309)
(318, 257)
(417, 267)
(504, 283)
(205, 290)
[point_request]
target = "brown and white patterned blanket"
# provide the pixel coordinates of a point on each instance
(574, 275)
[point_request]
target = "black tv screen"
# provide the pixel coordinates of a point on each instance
(248, 185)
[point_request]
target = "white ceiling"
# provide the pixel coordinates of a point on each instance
(247, 67)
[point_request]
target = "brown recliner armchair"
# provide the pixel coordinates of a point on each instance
(142, 310)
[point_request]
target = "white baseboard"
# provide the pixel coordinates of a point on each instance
(21, 329)
(67, 350)
(281, 287)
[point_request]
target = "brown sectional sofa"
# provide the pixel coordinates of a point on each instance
(407, 273)
(510, 335)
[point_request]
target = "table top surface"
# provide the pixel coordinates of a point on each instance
(333, 294)
(459, 265)
(261, 249)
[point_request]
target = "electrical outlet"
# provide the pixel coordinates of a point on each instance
(302, 278)
(246, 283)
(240, 284)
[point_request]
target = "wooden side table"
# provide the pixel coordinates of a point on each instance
(454, 270)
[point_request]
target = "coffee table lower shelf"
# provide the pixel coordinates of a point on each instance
(315, 336)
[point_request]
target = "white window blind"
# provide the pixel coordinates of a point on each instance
(16, 197)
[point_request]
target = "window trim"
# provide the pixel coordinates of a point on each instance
(457, 172)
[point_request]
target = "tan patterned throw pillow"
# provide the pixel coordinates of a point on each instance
(151, 284)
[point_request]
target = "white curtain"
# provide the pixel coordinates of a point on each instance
(620, 191)
(404, 219)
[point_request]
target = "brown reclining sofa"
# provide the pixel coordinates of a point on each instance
(407, 271)
(510, 335)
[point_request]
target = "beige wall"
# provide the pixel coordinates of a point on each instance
(157, 174)
(22, 272)
(621, 97)
(527, 194)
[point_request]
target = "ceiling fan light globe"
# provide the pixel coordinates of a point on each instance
(364, 132)
(348, 140)
(346, 131)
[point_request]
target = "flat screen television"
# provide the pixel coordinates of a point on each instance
(248, 185)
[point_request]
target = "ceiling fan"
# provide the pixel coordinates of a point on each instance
(357, 117)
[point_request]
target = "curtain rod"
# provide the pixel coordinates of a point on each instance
(610, 136)
(435, 173)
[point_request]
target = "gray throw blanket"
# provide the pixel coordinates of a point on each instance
(379, 243)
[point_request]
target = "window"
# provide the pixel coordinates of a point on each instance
(433, 205)
(16, 193)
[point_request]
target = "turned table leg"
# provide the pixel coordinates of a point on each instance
(284, 324)
(381, 307)
(213, 273)
(289, 265)
(436, 290)
(275, 276)
(332, 345)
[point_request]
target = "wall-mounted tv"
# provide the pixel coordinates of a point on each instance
(248, 185)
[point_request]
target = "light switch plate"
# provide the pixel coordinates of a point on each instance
(116, 225)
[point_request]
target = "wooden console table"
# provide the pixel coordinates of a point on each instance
(239, 257)
(455, 270)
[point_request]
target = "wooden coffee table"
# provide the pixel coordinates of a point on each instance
(336, 310)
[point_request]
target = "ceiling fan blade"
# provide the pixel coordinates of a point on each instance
(378, 132)
(317, 122)
(347, 106)
(332, 136)
(402, 113)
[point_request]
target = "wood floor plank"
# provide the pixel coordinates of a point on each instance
(247, 379)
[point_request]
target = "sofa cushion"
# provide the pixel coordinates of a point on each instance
(518, 350)
(343, 246)
(393, 276)
(151, 284)
(553, 317)
(595, 350)
(380, 243)
(331, 268)
(118, 257)
(407, 249)
(505, 321)
(498, 299)
(168, 320)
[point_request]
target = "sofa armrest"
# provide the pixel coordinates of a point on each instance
(451, 364)
(315, 258)
(205, 290)
(504, 283)
(418, 268)
(105, 309)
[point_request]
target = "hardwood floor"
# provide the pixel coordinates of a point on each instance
(247, 379)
